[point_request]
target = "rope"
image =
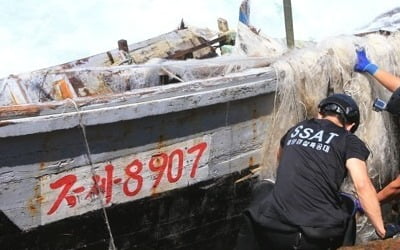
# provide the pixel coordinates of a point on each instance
(228, 105)
(127, 58)
(170, 74)
(40, 86)
(4, 85)
(89, 157)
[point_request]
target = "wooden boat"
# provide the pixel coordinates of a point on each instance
(124, 151)
(99, 153)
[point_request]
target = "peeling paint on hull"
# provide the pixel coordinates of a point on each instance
(177, 151)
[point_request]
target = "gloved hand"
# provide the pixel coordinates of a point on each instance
(391, 230)
(358, 207)
(353, 204)
(363, 64)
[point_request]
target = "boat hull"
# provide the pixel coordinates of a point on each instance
(174, 177)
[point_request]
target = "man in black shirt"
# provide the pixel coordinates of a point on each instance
(305, 210)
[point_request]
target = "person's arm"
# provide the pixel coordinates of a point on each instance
(363, 64)
(391, 191)
(366, 193)
(388, 80)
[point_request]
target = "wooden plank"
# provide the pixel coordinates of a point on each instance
(123, 45)
(190, 96)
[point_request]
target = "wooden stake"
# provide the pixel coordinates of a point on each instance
(123, 45)
(287, 9)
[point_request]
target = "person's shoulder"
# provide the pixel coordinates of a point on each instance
(356, 148)
(352, 137)
(309, 121)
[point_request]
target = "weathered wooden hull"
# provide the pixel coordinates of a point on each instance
(205, 215)
(163, 164)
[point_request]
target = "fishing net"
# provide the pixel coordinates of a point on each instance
(253, 43)
(305, 76)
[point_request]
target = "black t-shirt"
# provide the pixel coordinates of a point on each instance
(310, 173)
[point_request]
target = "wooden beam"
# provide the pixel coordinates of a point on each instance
(123, 45)
(287, 9)
(182, 53)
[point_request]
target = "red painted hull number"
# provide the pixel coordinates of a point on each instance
(166, 167)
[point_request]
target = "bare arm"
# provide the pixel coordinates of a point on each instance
(391, 191)
(388, 80)
(366, 193)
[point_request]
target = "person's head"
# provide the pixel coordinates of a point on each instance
(344, 108)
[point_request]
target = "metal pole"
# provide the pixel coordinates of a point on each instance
(287, 9)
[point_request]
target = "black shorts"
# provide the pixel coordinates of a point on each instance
(253, 236)
(276, 240)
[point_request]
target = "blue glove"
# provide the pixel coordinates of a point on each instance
(358, 206)
(363, 64)
(352, 203)
(391, 230)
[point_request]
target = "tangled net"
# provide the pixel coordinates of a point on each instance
(305, 76)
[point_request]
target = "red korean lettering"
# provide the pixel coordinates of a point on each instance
(66, 182)
(103, 184)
